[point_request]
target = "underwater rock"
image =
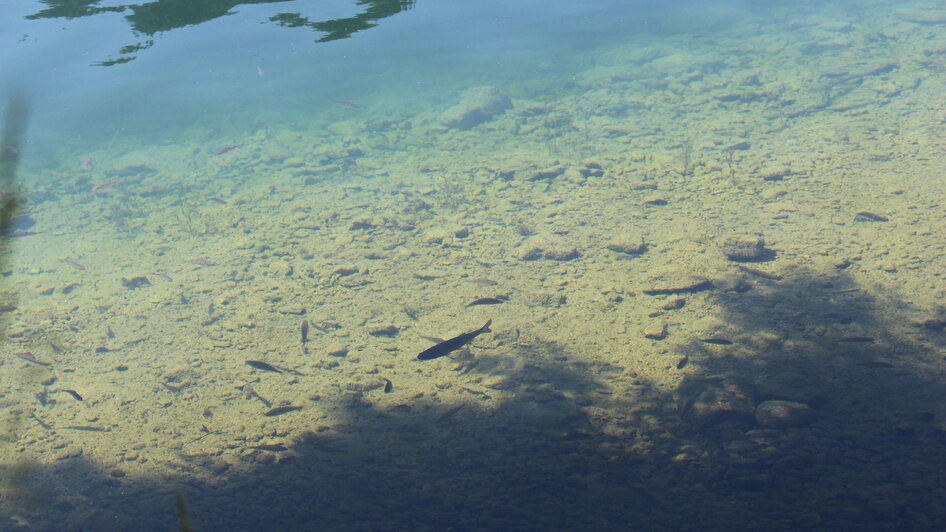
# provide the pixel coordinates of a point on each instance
(627, 244)
(543, 248)
(479, 105)
(23, 222)
(280, 268)
(656, 331)
(708, 401)
(777, 414)
(547, 173)
(775, 173)
(134, 283)
(745, 248)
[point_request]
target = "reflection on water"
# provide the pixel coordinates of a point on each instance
(707, 250)
(150, 19)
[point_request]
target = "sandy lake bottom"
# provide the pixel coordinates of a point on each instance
(715, 282)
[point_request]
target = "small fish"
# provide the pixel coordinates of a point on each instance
(87, 428)
(305, 332)
(74, 263)
(280, 410)
(875, 364)
(250, 393)
(273, 447)
(263, 366)
(75, 395)
(21, 234)
(760, 273)
(226, 149)
(865, 216)
(448, 346)
(208, 413)
(450, 413)
(217, 200)
(489, 301)
(27, 356)
(388, 386)
(716, 341)
(201, 261)
(348, 105)
(43, 396)
(846, 291)
(857, 340)
(42, 423)
(7, 307)
(106, 185)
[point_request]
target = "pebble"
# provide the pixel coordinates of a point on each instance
(656, 330)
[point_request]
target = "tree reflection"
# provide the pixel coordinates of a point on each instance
(151, 18)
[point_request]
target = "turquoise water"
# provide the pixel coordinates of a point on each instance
(706, 239)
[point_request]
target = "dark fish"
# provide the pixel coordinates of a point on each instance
(446, 347)
(43, 397)
(857, 340)
(305, 332)
(87, 428)
(208, 413)
(869, 217)
(27, 356)
(716, 341)
(250, 393)
(489, 301)
(280, 410)
(21, 234)
(274, 447)
(42, 423)
(263, 366)
(7, 308)
(74, 263)
(75, 395)
(388, 386)
(450, 413)
(760, 273)
(875, 364)
(227, 149)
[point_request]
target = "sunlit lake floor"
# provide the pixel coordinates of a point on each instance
(676, 239)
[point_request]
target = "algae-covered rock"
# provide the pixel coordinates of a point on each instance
(479, 105)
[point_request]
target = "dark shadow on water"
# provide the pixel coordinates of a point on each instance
(557, 444)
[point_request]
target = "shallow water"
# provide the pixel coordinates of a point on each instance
(708, 236)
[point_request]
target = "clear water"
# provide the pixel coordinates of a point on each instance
(708, 236)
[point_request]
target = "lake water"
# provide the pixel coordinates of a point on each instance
(706, 239)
